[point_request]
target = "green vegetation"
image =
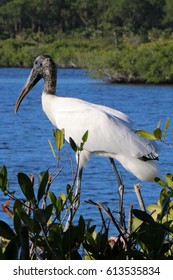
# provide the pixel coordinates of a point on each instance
(86, 16)
(39, 218)
(119, 40)
(147, 63)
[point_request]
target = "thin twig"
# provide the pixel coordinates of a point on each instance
(109, 214)
(130, 219)
(137, 188)
(165, 143)
(47, 242)
(103, 221)
(55, 168)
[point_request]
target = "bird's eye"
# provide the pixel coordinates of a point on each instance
(39, 64)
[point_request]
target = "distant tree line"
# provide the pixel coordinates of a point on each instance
(66, 16)
(127, 41)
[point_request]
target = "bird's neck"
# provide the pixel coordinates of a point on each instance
(50, 77)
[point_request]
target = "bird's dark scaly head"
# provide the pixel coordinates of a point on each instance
(43, 67)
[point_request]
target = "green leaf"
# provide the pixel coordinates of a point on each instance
(17, 224)
(73, 144)
(101, 241)
(85, 136)
(152, 236)
(3, 178)
(32, 224)
(169, 180)
(158, 133)
(42, 183)
(154, 209)
(81, 225)
(146, 134)
(143, 216)
(48, 212)
(165, 206)
(52, 198)
(166, 127)
(59, 138)
(164, 192)
(91, 229)
(42, 216)
(59, 204)
(135, 223)
(6, 231)
(91, 240)
(52, 149)
(27, 220)
(63, 197)
(84, 139)
(17, 207)
(26, 186)
(11, 251)
(160, 182)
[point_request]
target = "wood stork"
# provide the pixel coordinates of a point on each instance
(110, 133)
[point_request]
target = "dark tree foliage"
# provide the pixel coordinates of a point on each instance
(65, 16)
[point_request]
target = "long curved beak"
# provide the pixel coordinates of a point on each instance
(30, 83)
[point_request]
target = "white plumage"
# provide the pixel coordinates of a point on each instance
(110, 133)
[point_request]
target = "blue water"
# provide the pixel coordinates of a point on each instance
(24, 136)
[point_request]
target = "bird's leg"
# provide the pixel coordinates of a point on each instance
(120, 191)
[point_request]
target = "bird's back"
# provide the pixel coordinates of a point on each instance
(109, 130)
